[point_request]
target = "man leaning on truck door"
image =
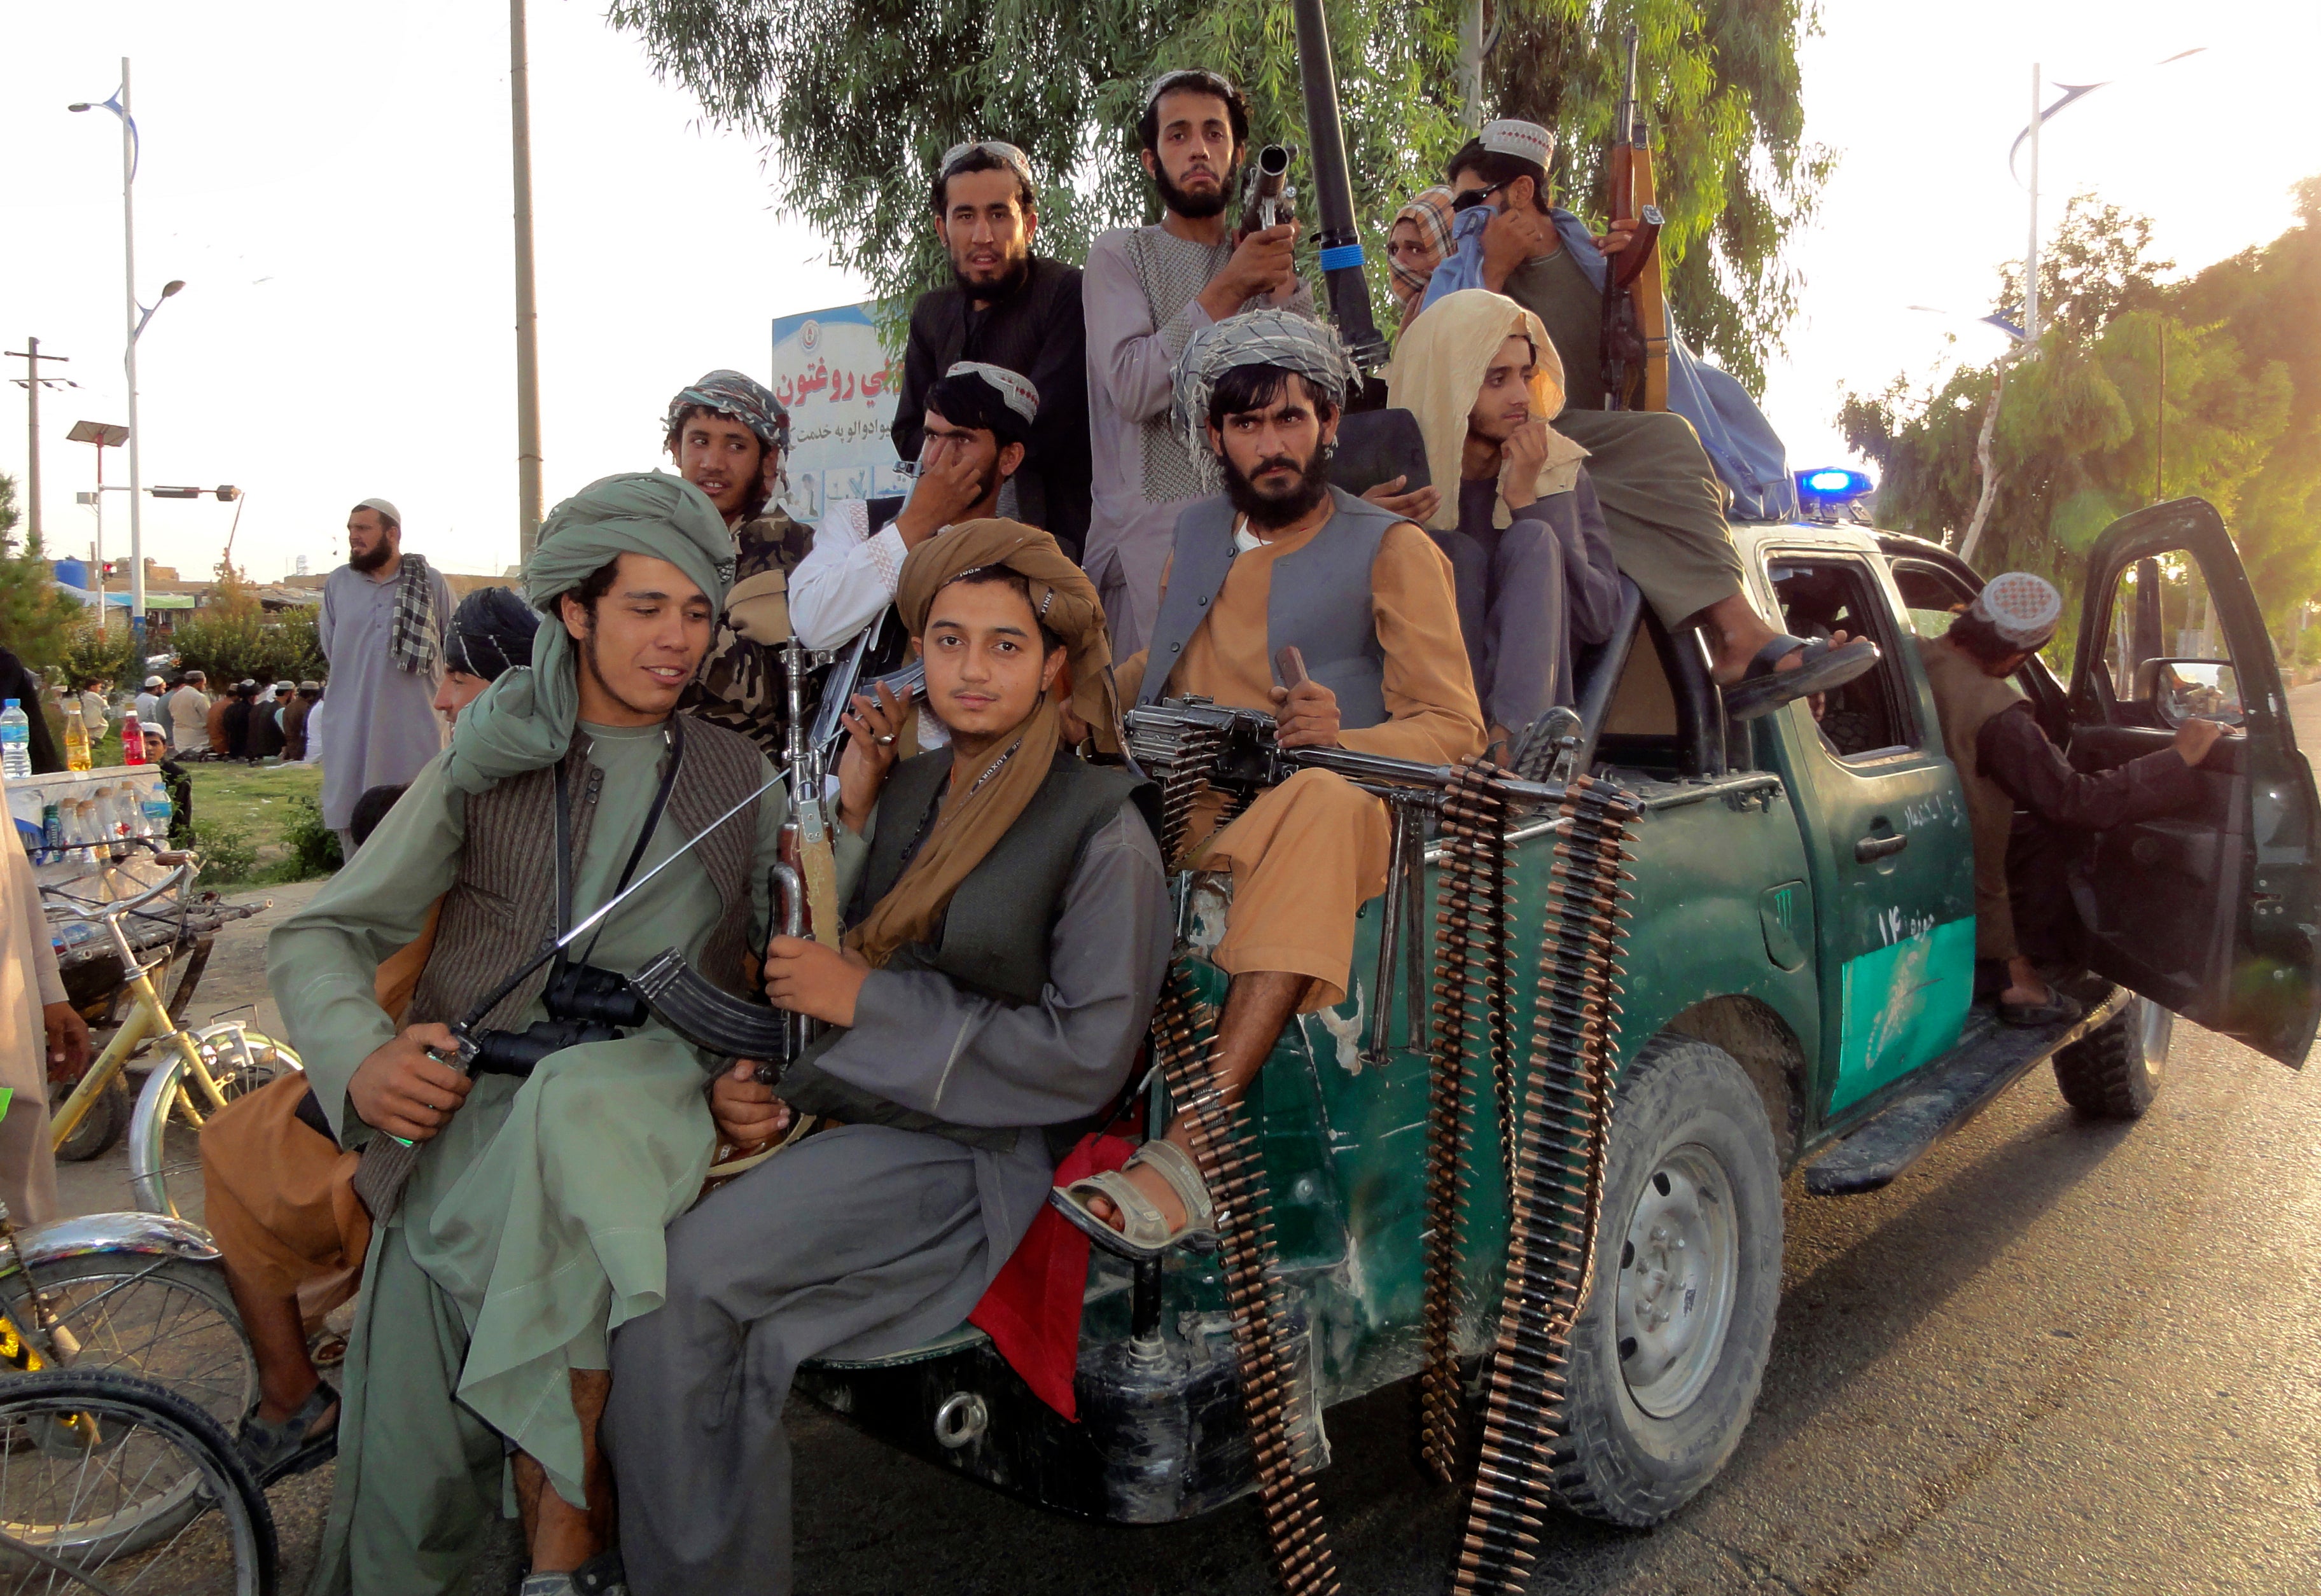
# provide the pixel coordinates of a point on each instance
(2006, 763)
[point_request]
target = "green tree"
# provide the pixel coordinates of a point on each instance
(35, 615)
(2087, 431)
(857, 98)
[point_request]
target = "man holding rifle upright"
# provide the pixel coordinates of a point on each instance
(1147, 290)
(1661, 497)
(533, 1222)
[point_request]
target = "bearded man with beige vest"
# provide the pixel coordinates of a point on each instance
(1283, 560)
(2022, 902)
(532, 1225)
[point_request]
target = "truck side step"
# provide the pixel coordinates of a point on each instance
(1990, 1056)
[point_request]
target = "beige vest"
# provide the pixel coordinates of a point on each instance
(1966, 699)
(503, 905)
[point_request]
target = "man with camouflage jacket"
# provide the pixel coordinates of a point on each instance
(728, 433)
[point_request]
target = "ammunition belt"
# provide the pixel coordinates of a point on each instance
(1558, 1168)
(1225, 1146)
(1474, 989)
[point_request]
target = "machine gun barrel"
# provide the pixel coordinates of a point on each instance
(1248, 757)
(1337, 232)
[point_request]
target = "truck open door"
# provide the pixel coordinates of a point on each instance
(2212, 913)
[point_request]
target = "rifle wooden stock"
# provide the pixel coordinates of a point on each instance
(1635, 329)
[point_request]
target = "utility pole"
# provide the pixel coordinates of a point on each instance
(1471, 47)
(31, 382)
(130, 329)
(2031, 256)
(527, 315)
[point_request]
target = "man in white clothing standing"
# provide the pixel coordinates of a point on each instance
(382, 626)
(39, 1029)
(1146, 291)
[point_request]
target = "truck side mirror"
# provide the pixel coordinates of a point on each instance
(2179, 690)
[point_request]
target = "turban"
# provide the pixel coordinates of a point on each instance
(525, 719)
(1429, 210)
(1255, 338)
(2022, 608)
(744, 398)
(1015, 389)
(1438, 373)
(491, 631)
(972, 822)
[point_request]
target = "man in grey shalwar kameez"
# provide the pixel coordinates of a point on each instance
(1146, 291)
(533, 1222)
(382, 624)
(1040, 876)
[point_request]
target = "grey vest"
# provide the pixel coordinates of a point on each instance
(994, 933)
(1320, 602)
(501, 906)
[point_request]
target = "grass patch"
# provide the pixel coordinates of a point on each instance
(250, 821)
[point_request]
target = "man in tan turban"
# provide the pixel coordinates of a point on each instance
(1010, 929)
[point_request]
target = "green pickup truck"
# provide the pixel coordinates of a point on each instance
(1798, 996)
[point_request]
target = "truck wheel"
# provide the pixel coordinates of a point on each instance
(1668, 1351)
(2113, 1072)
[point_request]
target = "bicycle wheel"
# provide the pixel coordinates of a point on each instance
(170, 1320)
(99, 1127)
(114, 1478)
(165, 1129)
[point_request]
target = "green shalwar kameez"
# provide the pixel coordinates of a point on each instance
(533, 1225)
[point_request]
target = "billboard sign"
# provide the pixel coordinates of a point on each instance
(831, 373)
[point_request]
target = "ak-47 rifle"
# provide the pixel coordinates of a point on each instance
(1635, 335)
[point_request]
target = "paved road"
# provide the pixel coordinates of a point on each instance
(2053, 1357)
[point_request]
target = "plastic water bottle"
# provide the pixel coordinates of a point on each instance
(75, 737)
(158, 809)
(15, 742)
(132, 740)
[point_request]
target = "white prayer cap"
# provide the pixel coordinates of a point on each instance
(1198, 78)
(1528, 139)
(2022, 608)
(155, 682)
(1013, 387)
(386, 511)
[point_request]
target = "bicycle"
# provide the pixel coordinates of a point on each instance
(202, 1072)
(112, 1484)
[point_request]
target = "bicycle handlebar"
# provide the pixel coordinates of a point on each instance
(183, 875)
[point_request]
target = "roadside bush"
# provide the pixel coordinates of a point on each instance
(230, 647)
(228, 858)
(93, 653)
(314, 847)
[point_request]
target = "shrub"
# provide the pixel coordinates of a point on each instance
(314, 847)
(230, 647)
(227, 856)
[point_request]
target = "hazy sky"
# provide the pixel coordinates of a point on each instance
(331, 183)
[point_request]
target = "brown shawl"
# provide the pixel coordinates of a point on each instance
(972, 821)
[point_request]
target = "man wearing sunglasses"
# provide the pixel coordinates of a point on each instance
(1148, 291)
(1012, 309)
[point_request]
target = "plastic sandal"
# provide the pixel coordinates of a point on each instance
(2060, 1009)
(277, 1450)
(1144, 1232)
(1764, 687)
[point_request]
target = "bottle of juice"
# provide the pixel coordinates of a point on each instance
(75, 737)
(132, 740)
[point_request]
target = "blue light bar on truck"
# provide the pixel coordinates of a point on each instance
(1833, 485)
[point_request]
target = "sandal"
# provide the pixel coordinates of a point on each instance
(1145, 1232)
(601, 1576)
(1764, 687)
(277, 1450)
(2060, 1009)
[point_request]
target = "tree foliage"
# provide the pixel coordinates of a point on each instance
(230, 645)
(35, 615)
(859, 98)
(2079, 438)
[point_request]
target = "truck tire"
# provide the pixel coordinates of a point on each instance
(2113, 1072)
(1671, 1348)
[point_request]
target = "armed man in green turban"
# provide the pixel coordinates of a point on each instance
(532, 1223)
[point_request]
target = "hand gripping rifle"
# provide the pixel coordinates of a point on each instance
(389, 1160)
(1635, 332)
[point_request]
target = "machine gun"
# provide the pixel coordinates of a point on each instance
(1635, 331)
(1266, 193)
